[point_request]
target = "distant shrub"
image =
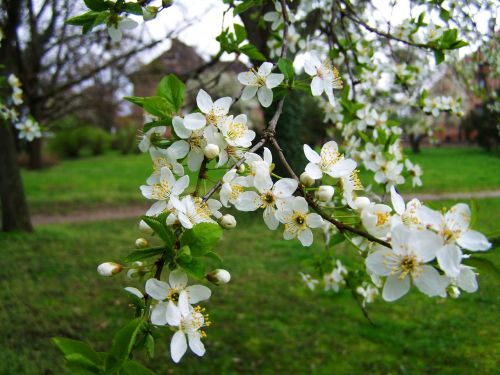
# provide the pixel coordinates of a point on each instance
(125, 140)
(70, 142)
(483, 124)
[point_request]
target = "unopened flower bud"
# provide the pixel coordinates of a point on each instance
(145, 228)
(306, 179)
(149, 12)
(325, 193)
(109, 269)
(219, 277)
(242, 168)
(361, 202)
(453, 291)
(211, 151)
(141, 243)
(227, 221)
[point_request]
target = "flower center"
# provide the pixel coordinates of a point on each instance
(236, 130)
(161, 191)
(173, 295)
(268, 199)
(407, 265)
(299, 219)
(382, 218)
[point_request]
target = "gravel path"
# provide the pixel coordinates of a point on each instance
(136, 210)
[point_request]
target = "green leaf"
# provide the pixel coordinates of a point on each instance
(172, 89)
(195, 267)
(241, 33)
(135, 368)
(150, 345)
(158, 106)
(251, 51)
(243, 7)
(161, 229)
(444, 14)
(484, 265)
(214, 256)
(201, 238)
(97, 5)
(124, 339)
(133, 8)
(70, 347)
(83, 19)
(184, 254)
(286, 67)
(166, 121)
(438, 56)
(138, 100)
(134, 256)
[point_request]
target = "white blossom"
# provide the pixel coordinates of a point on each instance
(298, 221)
(260, 82)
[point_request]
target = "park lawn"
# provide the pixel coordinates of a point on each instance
(113, 179)
(455, 169)
(87, 183)
(264, 322)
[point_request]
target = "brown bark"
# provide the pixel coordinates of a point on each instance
(15, 214)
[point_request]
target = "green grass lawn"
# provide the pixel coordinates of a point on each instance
(114, 179)
(264, 322)
(456, 169)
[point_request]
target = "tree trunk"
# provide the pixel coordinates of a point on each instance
(35, 154)
(415, 143)
(15, 214)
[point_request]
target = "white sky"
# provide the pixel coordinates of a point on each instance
(208, 14)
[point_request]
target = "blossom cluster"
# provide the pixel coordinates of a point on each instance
(28, 128)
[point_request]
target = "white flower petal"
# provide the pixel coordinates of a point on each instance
(424, 244)
(395, 288)
(194, 121)
(265, 69)
(466, 280)
(377, 264)
(179, 149)
(473, 241)
(249, 92)
(179, 128)
(311, 155)
(173, 315)
(274, 79)
(342, 168)
(197, 293)
(159, 314)
(270, 218)
(314, 171)
(222, 105)
(157, 289)
(449, 258)
(306, 237)
(178, 346)
(195, 344)
(316, 86)
(195, 158)
(430, 218)
(397, 201)
(180, 185)
(204, 101)
(314, 221)
(429, 282)
(285, 187)
(136, 292)
(177, 279)
(247, 78)
(300, 204)
(265, 96)
(248, 201)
